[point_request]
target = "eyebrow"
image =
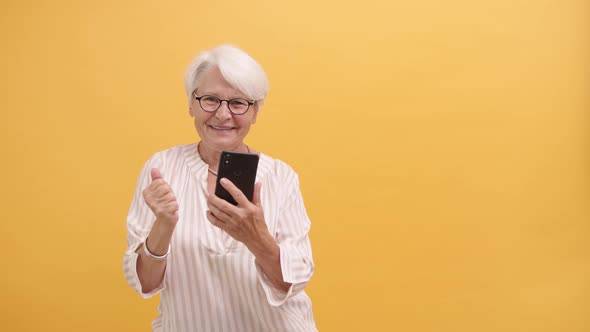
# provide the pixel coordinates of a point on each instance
(216, 95)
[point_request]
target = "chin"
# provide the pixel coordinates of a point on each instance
(222, 143)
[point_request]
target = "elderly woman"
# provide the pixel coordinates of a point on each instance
(220, 267)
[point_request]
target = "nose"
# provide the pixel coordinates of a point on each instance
(223, 112)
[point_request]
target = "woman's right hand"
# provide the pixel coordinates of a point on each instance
(161, 200)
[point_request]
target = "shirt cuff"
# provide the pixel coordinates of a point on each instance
(274, 296)
(130, 269)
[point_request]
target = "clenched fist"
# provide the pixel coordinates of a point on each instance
(161, 199)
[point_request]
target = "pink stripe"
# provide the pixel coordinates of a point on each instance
(208, 289)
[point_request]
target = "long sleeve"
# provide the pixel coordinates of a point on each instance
(211, 282)
(295, 249)
(139, 223)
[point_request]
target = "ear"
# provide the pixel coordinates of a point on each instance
(190, 112)
(253, 121)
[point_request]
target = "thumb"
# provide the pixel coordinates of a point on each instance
(156, 174)
(256, 196)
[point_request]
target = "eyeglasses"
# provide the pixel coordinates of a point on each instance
(237, 106)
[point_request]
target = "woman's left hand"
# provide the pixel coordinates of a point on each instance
(244, 222)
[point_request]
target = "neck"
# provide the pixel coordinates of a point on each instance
(210, 154)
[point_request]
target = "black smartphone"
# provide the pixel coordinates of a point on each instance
(240, 169)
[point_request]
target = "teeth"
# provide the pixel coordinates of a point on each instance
(220, 128)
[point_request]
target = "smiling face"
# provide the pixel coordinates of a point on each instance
(221, 130)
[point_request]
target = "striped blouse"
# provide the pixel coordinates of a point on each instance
(212, 282)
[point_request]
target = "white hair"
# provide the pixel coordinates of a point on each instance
(239, 69)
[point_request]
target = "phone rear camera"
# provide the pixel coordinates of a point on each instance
(226, 160)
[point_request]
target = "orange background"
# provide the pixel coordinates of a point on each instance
(443, 150)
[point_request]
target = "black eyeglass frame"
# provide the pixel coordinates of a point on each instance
(198, 98)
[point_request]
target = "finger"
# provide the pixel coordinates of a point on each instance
(234, 191)
(171, 206)
(222, 205)
(256, 196)
(159, 196)
(167, 198)
(220, 214)
(160, 187)
(222, 210)
(155, 174)
(215, 221)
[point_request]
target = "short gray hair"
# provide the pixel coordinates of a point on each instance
(239, 69)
